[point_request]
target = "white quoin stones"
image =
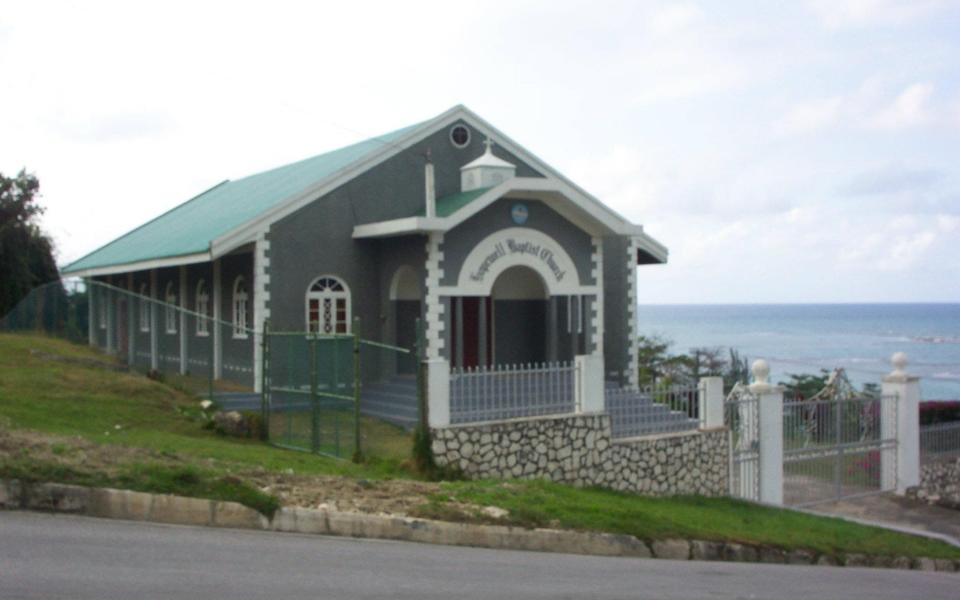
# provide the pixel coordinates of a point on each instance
(486, 171)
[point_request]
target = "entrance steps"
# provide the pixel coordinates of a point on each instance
(634, 413)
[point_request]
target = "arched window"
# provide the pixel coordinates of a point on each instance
(144, 308)
(170, 308)
(240, 302)
(328, 306)
(202, 308)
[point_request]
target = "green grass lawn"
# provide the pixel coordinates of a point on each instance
(108, 412)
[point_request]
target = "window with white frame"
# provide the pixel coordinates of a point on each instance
(202, 308)
(144, 308)
(328, 306)
(240, 303)
(170, 310)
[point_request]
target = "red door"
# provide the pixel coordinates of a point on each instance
(471, 330)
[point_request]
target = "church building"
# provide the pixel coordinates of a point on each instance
(504, 259)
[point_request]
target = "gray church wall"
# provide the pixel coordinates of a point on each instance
(237, 357)
(317, 239)
(168, 344)
(199, 347)
(458, 242)
(141, 339)
(615, 316)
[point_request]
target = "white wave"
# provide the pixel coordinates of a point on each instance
(948, 375)
(936, 339)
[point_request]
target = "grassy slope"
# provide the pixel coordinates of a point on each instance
(76, 400)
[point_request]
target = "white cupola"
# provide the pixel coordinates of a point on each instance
(486, 171)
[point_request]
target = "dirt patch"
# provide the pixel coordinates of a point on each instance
(395, 496)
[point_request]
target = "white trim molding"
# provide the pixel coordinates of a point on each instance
(143, 265)
(517, 246)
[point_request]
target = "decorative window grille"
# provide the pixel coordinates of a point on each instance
(144, 308)
(240, 302)
(170, 310)
(328, 306)
(202, 308)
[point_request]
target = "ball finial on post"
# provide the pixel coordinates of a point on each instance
(761, 372)
(899, 362)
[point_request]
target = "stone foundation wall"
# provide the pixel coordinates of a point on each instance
(579, 450)
(939, 483)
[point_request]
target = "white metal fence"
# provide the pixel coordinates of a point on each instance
(741, 413)
(510, 391)
(940, 441)
(652, 410)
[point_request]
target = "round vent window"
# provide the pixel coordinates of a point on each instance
(460, 136)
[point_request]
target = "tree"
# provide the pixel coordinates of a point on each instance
(26, 253)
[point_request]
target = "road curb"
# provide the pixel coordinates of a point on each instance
(179, 510)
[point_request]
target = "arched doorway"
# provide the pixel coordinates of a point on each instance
(520, 302)
(506, 327)
(405, 298)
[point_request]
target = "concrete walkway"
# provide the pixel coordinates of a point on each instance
(897, 512)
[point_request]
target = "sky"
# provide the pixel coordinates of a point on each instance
(802, 151)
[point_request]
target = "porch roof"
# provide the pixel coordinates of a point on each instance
(570, 203)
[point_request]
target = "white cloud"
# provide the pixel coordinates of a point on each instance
(910, 108)
(867, 107)
(841, 14)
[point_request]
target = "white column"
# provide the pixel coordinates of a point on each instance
(435, 333)
(710, 396)
(770, 406)
(154, 322)
(183, 321)
(589, 385)
(217, 322)
(905, 425)
(438, 392)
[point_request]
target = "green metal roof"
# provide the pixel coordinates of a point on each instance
(192, 226)
(448, 205)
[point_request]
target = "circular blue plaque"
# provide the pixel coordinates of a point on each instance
(519, 213)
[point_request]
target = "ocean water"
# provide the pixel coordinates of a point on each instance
(804, 338)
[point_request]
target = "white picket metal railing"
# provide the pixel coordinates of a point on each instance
(497, 392)
(940, 440)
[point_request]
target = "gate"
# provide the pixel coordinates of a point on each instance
(741, 414)
(839, 443)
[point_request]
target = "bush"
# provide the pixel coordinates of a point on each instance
(939, 411)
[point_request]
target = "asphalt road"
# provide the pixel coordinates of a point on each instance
(58, 556)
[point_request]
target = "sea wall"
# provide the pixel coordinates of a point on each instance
(579, 450)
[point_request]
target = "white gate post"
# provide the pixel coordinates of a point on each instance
(588, 383)
(438, 392)
(906, 425)
(770, 405)
(710, 396)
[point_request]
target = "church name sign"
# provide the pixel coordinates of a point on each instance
(513, 246)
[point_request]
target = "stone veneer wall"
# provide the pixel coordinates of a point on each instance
(578, 449)
(939, 483)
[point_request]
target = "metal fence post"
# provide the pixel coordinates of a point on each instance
(314, 400)
(421, 383)
(265, 382)
(357, 450)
